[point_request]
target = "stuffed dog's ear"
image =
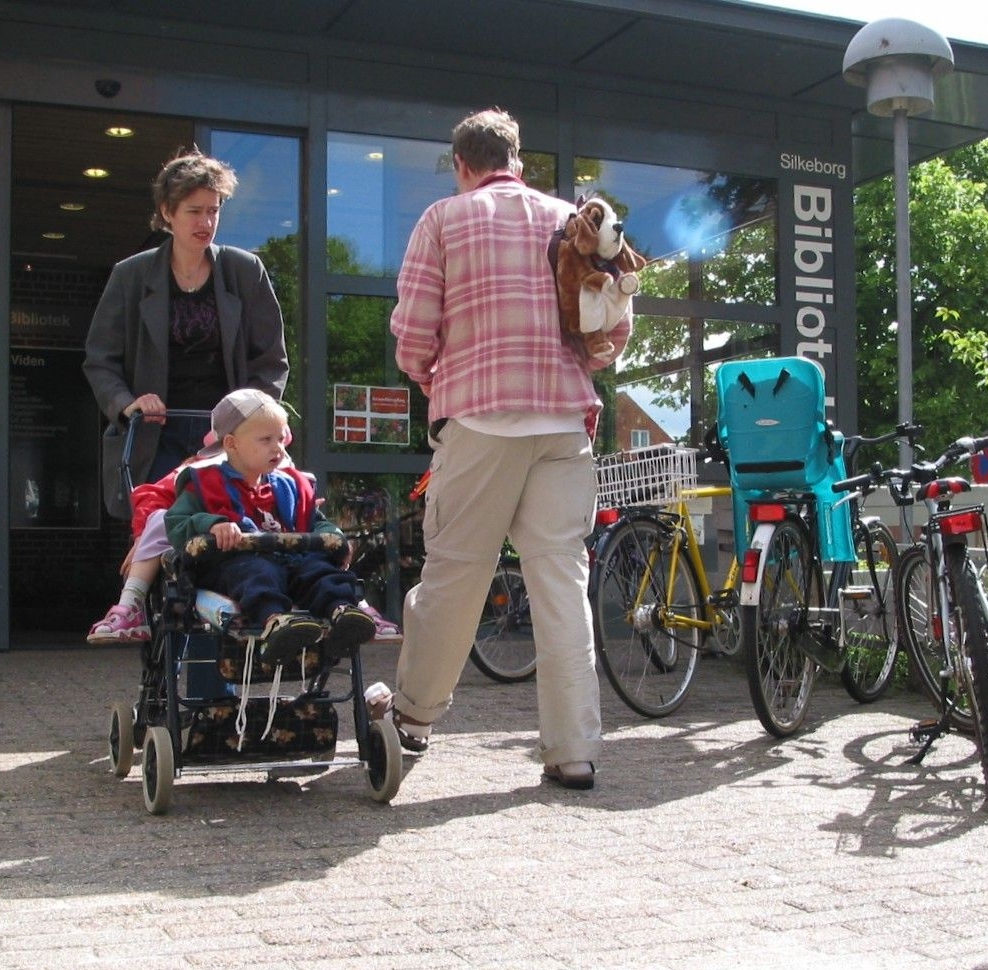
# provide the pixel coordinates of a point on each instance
(586, 235)
(629, 261)
(570, 227)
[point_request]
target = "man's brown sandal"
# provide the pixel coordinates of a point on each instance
(571, 777)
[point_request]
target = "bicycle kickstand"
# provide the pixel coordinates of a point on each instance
(926, 731)
(929, 729)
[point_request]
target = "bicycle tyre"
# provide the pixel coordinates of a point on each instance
(914, 595)
(780, 675)
(974, 625)
(504, 648)
(651, 668)
(870, 636)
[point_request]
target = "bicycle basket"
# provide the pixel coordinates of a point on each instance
(645, 476)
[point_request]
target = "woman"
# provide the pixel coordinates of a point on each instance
(179, 327)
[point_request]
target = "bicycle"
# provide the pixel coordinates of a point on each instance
(504, 648)
(784, 499)
(650, 595)
(941, 601)
(790, 628)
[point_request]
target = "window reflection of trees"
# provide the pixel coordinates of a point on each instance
(706, 301)
(712, 239)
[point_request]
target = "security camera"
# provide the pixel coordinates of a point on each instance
(107, 87)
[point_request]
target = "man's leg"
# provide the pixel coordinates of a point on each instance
(475, 485)
(554, 516)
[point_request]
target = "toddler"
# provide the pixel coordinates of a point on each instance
(251, 491)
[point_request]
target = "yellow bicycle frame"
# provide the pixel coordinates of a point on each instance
(683, 531)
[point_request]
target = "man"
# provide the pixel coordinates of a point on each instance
(477, 327)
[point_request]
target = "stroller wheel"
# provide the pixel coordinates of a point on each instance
(158, 770)
(384, 760)
(121, 738)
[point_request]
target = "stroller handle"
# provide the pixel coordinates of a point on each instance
(203, 545)
(134, 422)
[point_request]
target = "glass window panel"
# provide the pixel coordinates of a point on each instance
(384, 527)
(378, 187)
(361, 352)
(540, 171)
(678, 393)
(263, 217)
(713, 235)
(266, 203)
(376, 190)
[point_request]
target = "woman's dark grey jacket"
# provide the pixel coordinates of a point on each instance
(127, 346)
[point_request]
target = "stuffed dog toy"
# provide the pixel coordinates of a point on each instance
(596, 274)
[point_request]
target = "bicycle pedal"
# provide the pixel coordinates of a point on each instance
(857, 593)
(925, 729)
(724, 599)
(821, 649)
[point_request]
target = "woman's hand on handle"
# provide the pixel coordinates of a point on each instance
(150, 405)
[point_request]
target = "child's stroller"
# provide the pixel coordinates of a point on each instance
(239, 726)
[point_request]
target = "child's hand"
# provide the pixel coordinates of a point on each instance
(227, 535)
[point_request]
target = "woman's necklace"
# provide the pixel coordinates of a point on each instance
(190, 282)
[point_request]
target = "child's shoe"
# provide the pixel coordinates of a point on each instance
(349, 626)
(384, 630)
(122, 624)
(285, 634)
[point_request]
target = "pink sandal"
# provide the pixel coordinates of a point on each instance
(122, 624)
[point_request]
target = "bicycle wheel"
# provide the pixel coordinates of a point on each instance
(919, 621)
(780, 675)
(505, 646)
(974, 624)
(868, 614)
(650, 667)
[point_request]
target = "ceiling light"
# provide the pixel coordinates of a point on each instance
(95, 173)
(53, 235)
(332, 191)
(375, 156)
(118, 131)
(72, 206)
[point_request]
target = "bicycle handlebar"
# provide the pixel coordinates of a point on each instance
(905, 431)
(899, 481)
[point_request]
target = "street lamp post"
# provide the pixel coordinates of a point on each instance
(897, 61)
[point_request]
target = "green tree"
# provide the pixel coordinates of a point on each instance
(280, 258)
(949, 269)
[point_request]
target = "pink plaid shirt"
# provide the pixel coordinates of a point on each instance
(477, 314)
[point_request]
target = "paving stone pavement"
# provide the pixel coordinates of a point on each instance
(705, 845)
